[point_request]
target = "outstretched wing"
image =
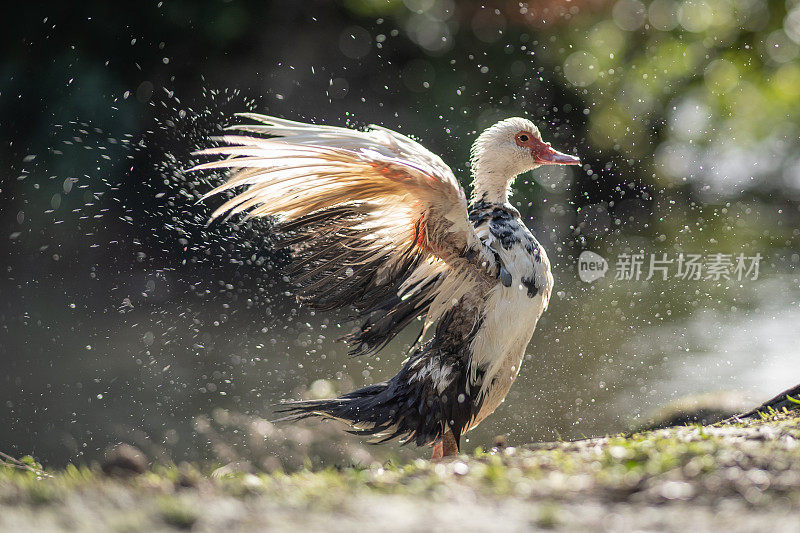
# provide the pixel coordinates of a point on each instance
(373, 219)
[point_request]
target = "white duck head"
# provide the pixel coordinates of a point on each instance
(507, 149)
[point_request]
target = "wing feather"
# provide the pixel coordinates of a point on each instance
(373, 219)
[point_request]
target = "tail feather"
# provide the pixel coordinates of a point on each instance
(414, 406)
(370, 411)
(345, 408)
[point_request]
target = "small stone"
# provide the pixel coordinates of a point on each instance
(676, 490)
(124, 460)
(460, 468)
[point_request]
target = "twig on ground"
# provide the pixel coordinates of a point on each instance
(11, 462)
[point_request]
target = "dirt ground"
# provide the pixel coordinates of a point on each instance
(736, 476)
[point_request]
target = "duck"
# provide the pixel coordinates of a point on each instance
(378, 224)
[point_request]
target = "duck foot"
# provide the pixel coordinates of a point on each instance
(445, 447)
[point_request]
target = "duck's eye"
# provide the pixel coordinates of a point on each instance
(523, 137)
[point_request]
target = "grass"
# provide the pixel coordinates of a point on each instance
(177, 511)
(750, 467)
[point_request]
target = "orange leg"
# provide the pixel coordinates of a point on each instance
(445, 447)
(437, 451)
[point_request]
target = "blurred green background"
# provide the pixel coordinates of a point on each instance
(124, 317)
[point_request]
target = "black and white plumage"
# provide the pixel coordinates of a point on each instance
(377, 222)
